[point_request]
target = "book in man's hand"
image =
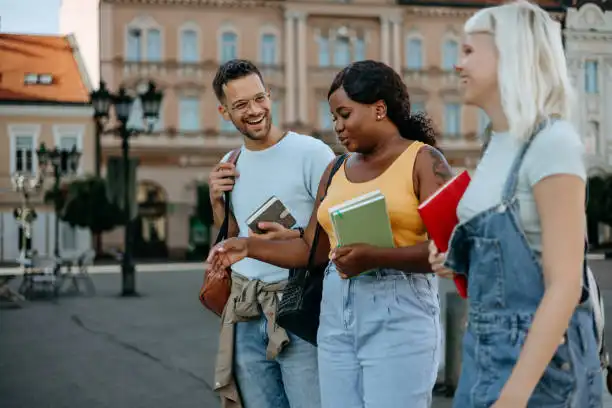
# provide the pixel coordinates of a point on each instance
(362, 220)
(439, 214)
(273, 210)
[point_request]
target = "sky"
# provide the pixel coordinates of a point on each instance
(29, 16)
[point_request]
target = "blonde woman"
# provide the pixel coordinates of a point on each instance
(520, 241)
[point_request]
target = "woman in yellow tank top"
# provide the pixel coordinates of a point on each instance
(379, 333)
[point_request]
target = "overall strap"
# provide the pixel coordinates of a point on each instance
(511, 182)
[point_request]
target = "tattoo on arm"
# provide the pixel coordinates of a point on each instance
(440, 167)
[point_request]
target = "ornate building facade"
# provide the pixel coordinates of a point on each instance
(588, 41)
(299, 46)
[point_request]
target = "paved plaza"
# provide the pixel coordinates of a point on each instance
(153, 351)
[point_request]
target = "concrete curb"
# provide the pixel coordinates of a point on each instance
(163, 267)
(599, 256)
(195, 266)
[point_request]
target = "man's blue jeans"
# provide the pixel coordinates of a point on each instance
(289, 381)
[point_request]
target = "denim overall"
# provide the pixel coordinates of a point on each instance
(505, 287)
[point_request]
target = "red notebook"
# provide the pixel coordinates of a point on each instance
(439, 214)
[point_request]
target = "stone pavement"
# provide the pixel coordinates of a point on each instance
(154, 351)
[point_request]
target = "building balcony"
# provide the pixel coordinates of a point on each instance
(416, 78)
(175, 71)
(450, 79)
(173, 140)
(167, 71)
(425, 78)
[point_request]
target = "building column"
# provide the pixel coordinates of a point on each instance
(397, 45)
(384, 39)
(289, 68)
(302, 69)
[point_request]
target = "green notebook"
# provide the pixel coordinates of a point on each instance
(363, 220)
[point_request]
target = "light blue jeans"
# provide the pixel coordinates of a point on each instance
(289, 381)
(379, 340)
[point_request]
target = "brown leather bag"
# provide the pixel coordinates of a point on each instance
(218, 284)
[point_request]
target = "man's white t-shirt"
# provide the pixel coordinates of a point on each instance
(290, 170)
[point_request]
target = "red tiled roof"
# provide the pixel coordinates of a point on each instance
(22, 54)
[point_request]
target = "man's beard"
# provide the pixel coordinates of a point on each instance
(246, 133)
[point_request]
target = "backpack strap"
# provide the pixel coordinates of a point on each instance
(234, 154)
(315, 240)
(224, 230)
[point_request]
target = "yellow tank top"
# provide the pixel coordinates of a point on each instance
(395, 183)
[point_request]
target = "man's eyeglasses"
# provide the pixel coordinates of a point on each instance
(243, 104)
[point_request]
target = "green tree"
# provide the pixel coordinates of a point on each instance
(84, 203)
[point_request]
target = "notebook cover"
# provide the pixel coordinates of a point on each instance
(365, 222)
(439, 214)
(275, 212)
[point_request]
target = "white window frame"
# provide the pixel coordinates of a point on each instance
(161, 47)
(23, 130)
(227, 28)
(414, 36)
(270, 30)
(324, 42)
(596, 77)
(459, 132)
(448, 38)
(60, 131)
(127, 53)
(144, 23)
(325, 119)
(356, 39)
(335, 48)
(200, 104)
(189, 26)
(70, 251)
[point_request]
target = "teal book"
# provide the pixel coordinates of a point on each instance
(363, 220)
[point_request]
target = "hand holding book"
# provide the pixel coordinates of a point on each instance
(273, 230)
(439, 214)
(354, 259)
(436, 259)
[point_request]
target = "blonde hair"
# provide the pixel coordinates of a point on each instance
(532, 71)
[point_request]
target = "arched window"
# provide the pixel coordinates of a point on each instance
(414, 53)
(229, 46)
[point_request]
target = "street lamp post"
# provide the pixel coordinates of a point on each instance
(63, 162)
(102, 100)
(28, 184)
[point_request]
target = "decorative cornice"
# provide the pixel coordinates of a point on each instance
(424, 11)
(394, 14)
(455, 12)
(278, 4)
(167, 63)
(587, 36)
